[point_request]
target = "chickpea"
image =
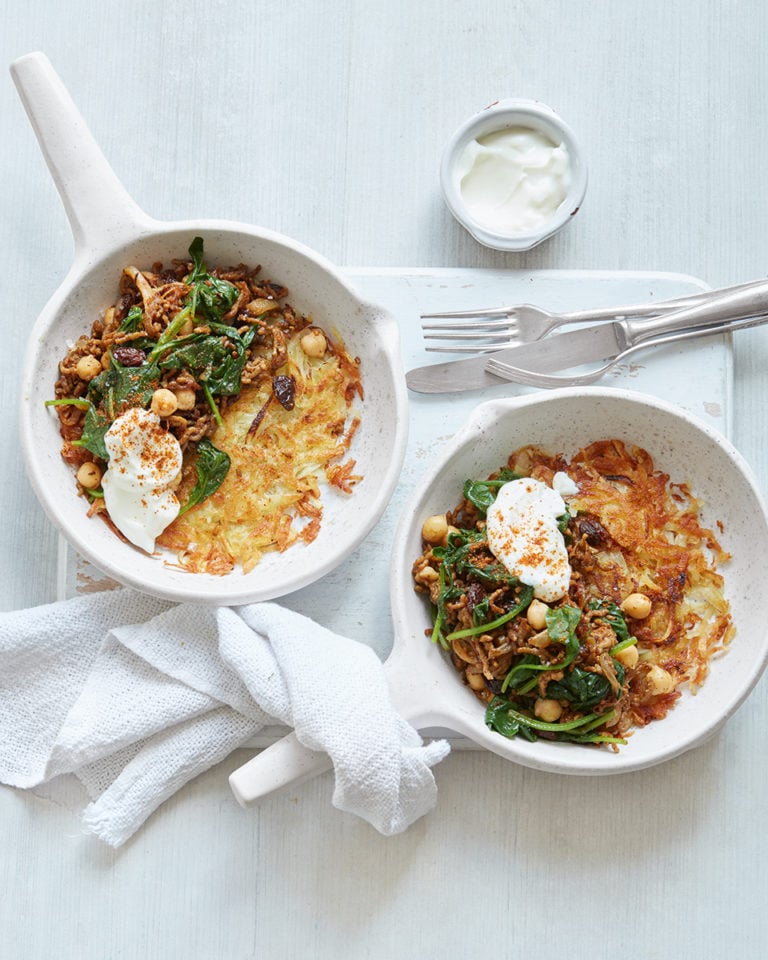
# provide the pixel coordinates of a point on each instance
(541, 639)
(164, 402)
(435, 528)
(89, 475)
(187, 327)
(660, 680)
(427, 575)
(547, 710)
(313, 343)
(88, 367)
(186, 398)
(106, 360)
(637, 606)
(628, 657)
(537, 614)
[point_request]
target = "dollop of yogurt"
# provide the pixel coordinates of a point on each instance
(513, 180)
(566, 486)
(521, 526)
(144, 463)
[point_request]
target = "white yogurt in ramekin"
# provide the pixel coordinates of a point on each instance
(513, 181)
(513, 175)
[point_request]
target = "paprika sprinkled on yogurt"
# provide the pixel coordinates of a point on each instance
(523, 534)
(144, 464)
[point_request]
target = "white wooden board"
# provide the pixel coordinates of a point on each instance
(354, 599)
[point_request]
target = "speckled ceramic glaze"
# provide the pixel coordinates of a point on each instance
(563, 421)
(110, 232)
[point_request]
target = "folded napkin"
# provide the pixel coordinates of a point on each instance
(136, 696)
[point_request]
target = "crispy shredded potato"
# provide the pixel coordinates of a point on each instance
(270, 498)
(638, 554)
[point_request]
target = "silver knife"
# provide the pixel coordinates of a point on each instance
(545, 356)
(599, 342)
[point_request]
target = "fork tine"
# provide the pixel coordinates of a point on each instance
(449, 344)
(484, 325)
(470, 348)
(468, 314)
(498, 336)
(481, 336)
(532, 378)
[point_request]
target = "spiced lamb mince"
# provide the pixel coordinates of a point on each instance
(260, 400)
(642, 615)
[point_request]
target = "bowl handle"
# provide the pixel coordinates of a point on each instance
(287, 762)
(101, 213)
(284, 763)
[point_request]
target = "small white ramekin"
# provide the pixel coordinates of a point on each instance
(498, 116)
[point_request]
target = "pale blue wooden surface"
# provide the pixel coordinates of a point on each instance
(325, 121)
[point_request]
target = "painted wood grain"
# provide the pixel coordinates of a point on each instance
(325, 120)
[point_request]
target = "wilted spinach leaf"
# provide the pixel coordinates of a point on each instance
(133, 320)
(457, 556)
(216, 360)
(119, 387)
(482, 493)
(481, 611)
(212, 467)
(561, 626)
(582, 688)
(526, 667)
(95, 428)
(210, 296)
(109, 395)
(500, 718)
(504, 718)
(613, 616)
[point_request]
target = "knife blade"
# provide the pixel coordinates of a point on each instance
(602, 341)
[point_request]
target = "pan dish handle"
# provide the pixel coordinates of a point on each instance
(287, 762)
(284, 763)
(101, 213)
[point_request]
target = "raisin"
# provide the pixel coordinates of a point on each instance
(593, 530)
(475, 594)
(129, 356)
(284, 388)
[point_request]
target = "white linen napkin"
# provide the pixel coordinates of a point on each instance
(136, 696)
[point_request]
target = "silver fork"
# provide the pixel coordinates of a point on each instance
(506, 326)
(549, 381)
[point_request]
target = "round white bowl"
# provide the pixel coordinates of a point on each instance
(499, 116)
(425, 684)
(111, 232)
(316, 288)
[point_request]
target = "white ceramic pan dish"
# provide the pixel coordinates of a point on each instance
(110, 232)
(423, 683)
